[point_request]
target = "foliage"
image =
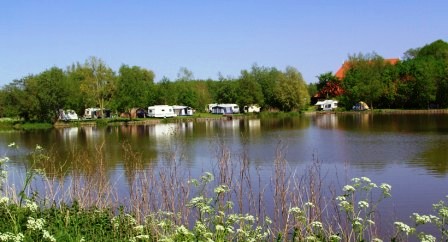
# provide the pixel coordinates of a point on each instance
(329, 86)
(420, 80)
(134, 87)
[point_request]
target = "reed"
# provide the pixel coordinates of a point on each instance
(234, 201)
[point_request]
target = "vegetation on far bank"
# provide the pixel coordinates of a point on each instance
(418, 81)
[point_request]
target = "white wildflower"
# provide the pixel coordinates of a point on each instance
(334, 237)
(386, 189)
(426, 238)
(366, 179)
(4, 200)
(316, 224)
(48, 236)
(421, 219)
(295, 211)
(31, 205)
(8, 236)
(219, 227)
(348, 188)
(346, 205)
(309, 204)
(182, 230)
(35, 224)
(377, 240)
(142, 237)
(363, 204)
(221, 189)
(311, 238)
(13, 144)
(403, 227)
(139, 229)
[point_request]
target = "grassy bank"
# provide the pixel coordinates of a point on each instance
(229, 203)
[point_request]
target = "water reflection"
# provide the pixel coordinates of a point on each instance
(399, 149)
(434, 159)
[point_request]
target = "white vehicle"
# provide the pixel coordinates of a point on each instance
(161, 111)
(327, 105)
(226, 108)
(252, 108)
(210, 106)
(91, 113)
(183, 110)
(68, 115)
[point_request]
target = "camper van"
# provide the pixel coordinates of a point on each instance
(161, 111)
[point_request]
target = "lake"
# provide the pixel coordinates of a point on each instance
(407, 151)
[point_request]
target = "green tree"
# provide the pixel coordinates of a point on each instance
(227, 91)
(134, 85)
(13, 100)
(99, 82)
(291, 91)
(267, 79)
(164, 92)
(363, 81)
(249, 90)
(45, 93)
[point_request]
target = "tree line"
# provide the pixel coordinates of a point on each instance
(418, 81)
(93, 83)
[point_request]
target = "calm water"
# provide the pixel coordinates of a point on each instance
(410, 152)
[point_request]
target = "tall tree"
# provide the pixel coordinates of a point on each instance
(134, 85)
(99, 82)
(249, 90)
(291, 91)
(363, 81)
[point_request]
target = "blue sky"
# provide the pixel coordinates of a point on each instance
(211, 37)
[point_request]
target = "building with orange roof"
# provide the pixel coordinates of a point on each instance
(340, 74)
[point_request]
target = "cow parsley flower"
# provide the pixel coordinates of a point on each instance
(402, 227)
(348, 188)
(363, 204)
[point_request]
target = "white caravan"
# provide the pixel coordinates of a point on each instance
(182, 110)
(161, 111)
(226, 109)
(327, 105)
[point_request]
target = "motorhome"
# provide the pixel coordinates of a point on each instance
(161, 111)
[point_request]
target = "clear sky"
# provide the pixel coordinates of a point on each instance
(211, 37)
